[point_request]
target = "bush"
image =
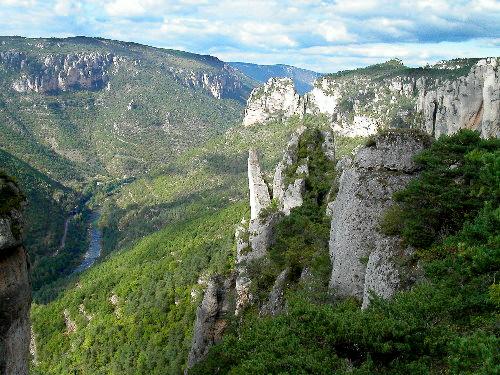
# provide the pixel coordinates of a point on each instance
(458, 176)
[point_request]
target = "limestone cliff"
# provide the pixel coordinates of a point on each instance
(212, 317)
(440, 99)
(15, 288)
(225, 83)
(259, 193)
(276, 99)
(253, 239)
(88, 69)
(53, 73)
(363, 259)
(471, 101)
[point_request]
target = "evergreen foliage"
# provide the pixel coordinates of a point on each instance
(444, 324)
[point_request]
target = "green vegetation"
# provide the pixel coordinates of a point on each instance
(66, 146)
(169, 178)
(302, 237)
(446, 323)
(147, 330)
(386, 92)
(460, 175)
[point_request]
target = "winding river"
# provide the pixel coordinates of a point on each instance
(94, 250)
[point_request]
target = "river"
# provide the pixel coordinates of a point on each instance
(94, 250)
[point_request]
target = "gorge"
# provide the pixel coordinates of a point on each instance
(229, 226)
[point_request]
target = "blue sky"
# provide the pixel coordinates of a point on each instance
(325, 36)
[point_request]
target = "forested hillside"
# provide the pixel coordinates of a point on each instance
(151, 142)
(80, 117)
(446, 323)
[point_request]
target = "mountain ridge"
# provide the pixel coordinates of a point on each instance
(303, 78)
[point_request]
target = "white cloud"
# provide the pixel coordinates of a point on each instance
(334, 32)
(321, 34)
(18, 3)
(67, 7)
(133, 8)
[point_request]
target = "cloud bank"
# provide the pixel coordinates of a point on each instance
(325, 36)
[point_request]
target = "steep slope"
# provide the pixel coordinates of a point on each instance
(363, 259)
(150, 287)
(170, 199)
(442, 322)
(15, 290)
(82, 117)
(47, 218)
(84, 107)
(302, 78)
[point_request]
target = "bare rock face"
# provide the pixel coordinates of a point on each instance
(275, 303)
(54, 73)
(274, 100)
(222, 84)
(359, 104)
(212, 317)
(15, 288)
(471, 101)
(259, 193)
(289, 194)
(362, 257)
(252, 239)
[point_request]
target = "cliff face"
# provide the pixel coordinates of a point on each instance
(50, 73)
(363, 259)
(471, 101)
(15, 289)
(221, 85)
(212, 317)
(274, 100)
(358, 103)
(53, 73)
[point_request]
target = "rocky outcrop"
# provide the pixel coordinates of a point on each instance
(471, 101)
(289, 184)
(275, 303)
(363, 259)
(358, 103)
(252, 244)
(212, 317)
(276, 99)
(53, 73)
(15, 288)
(259, 192)
(221, 84)
(289, 193)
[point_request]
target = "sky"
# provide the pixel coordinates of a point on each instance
(325, 36)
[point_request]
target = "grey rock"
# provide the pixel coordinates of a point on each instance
(53, 73)
(328, 146)
(275, 303)
(212, 317)
(226, 83)
(276, 99)
(471, 101)
(289, 158)
(362, 258)
(293, 195)
(7, 239)
(15, 295)
(259, 192)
